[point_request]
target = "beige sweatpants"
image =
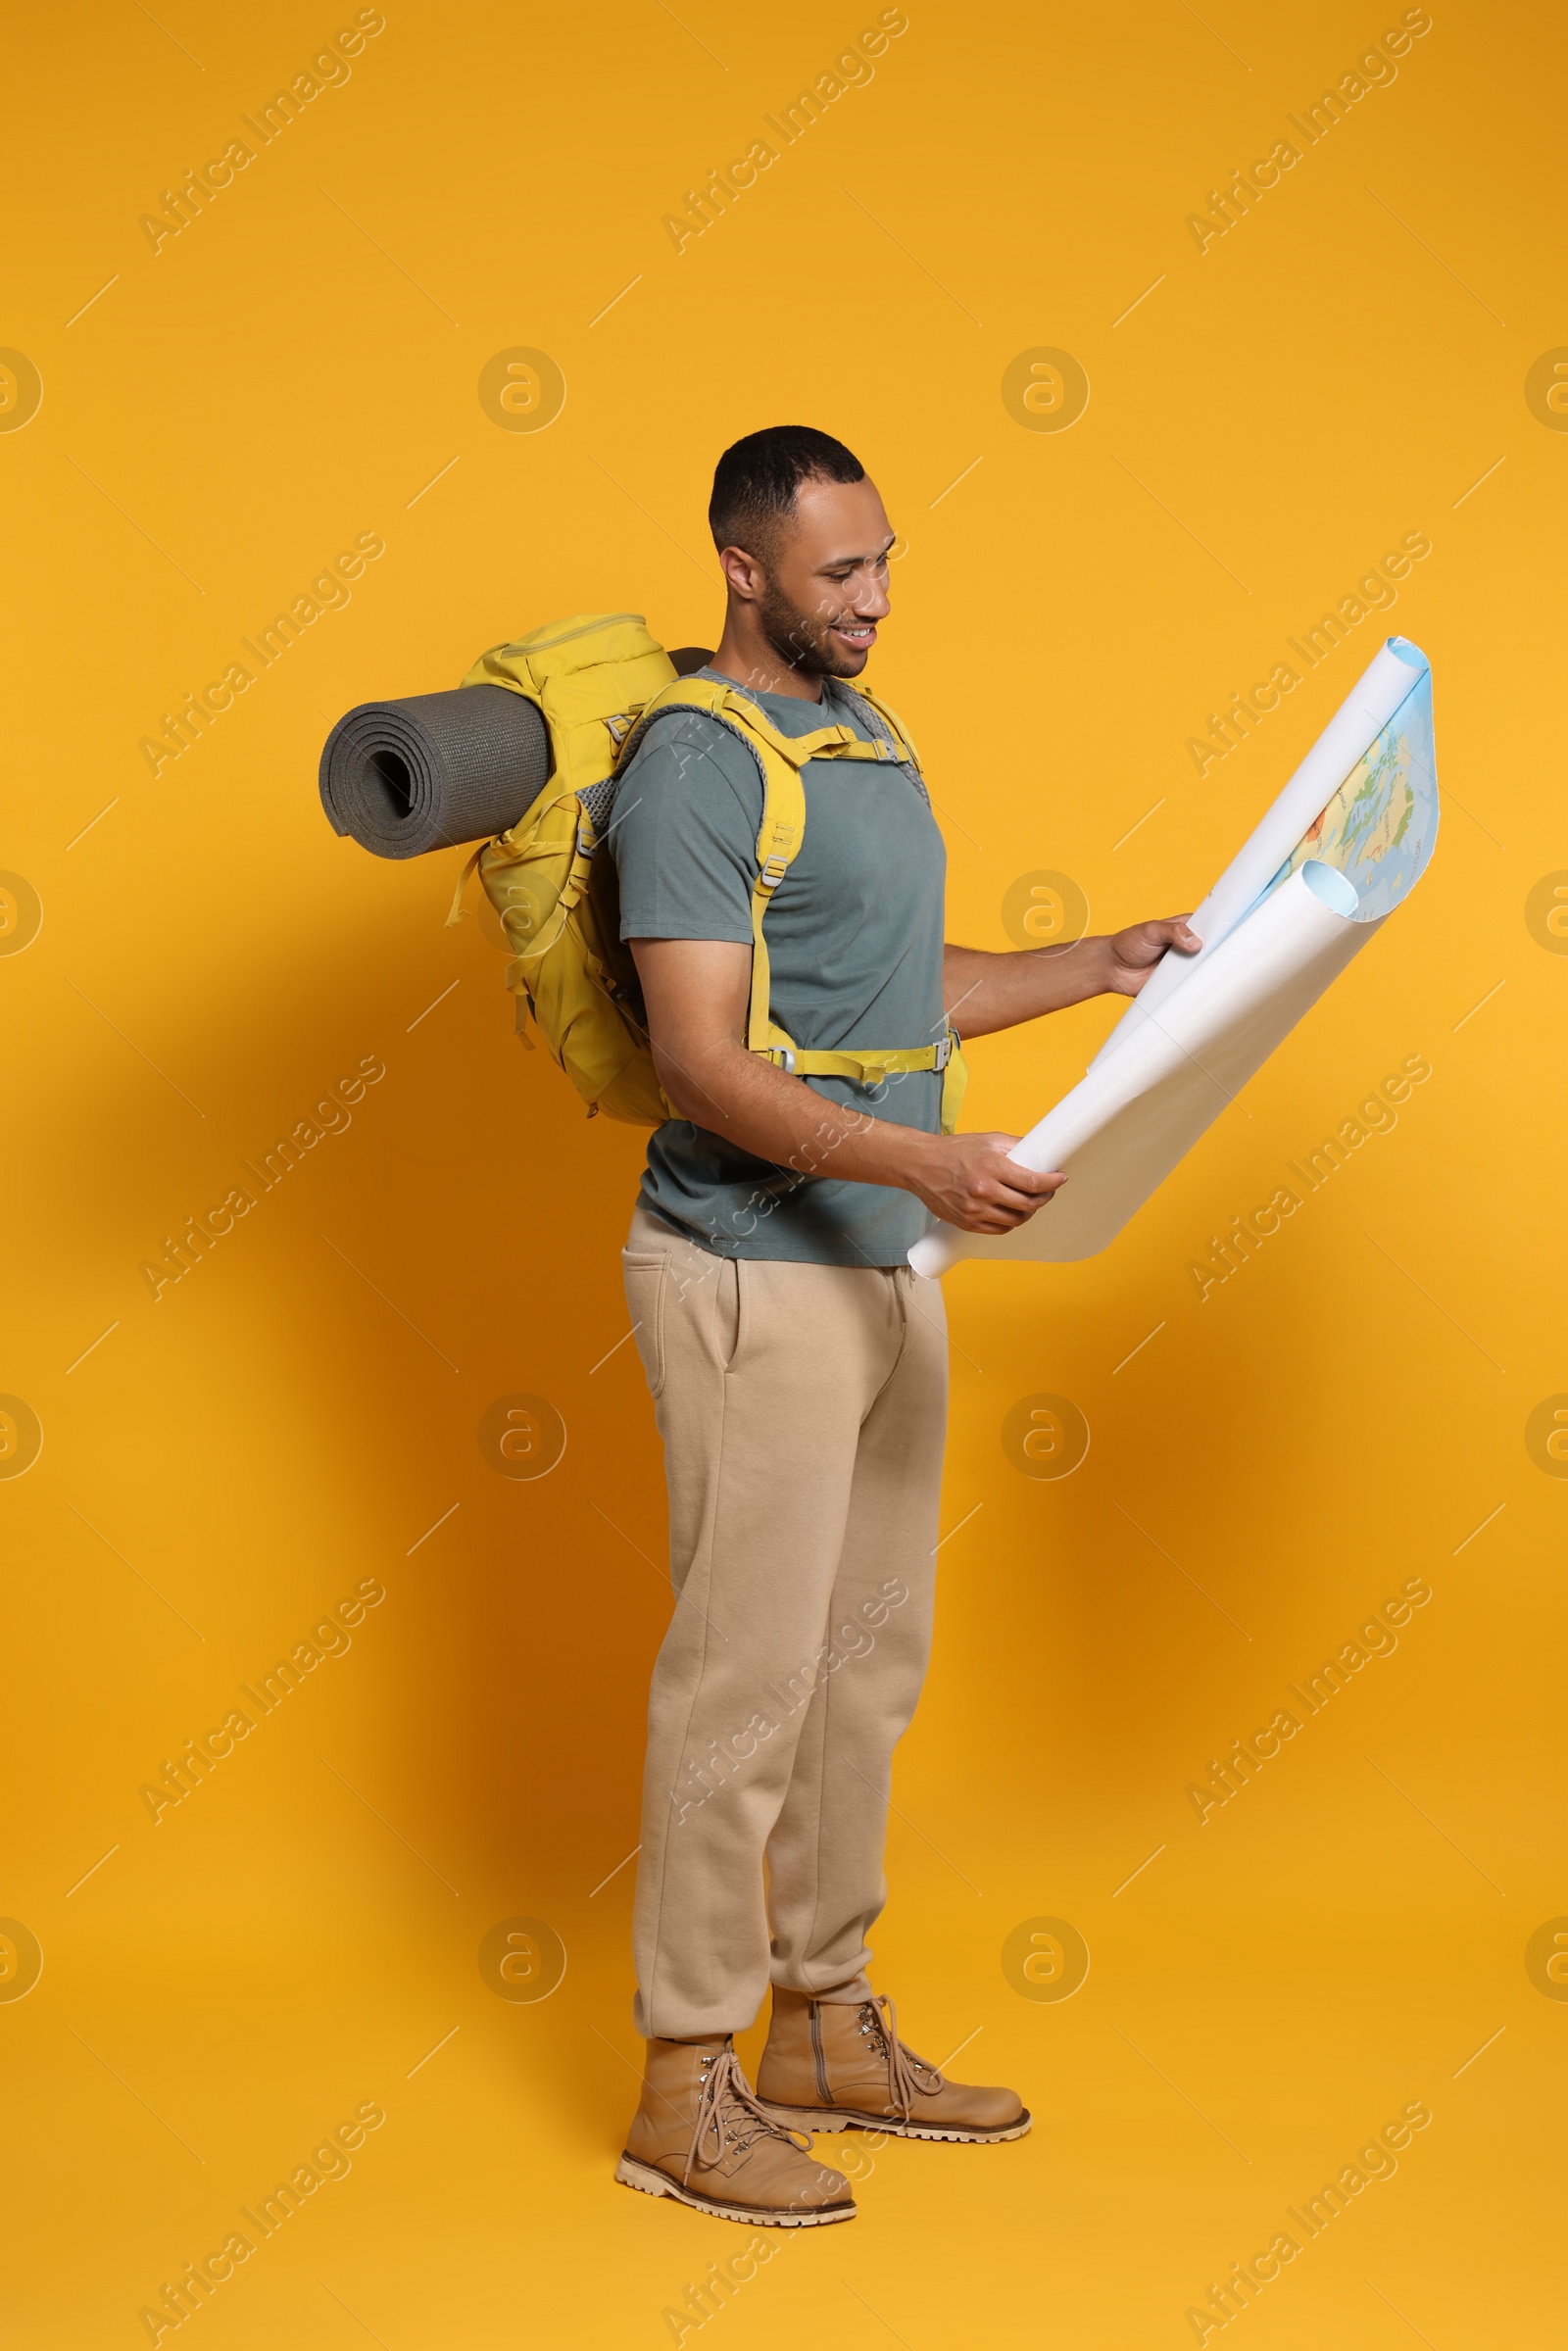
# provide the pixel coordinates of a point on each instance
(803, 1412)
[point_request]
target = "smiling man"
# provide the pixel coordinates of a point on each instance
(799, 997)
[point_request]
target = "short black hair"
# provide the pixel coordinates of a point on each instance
(757, 481)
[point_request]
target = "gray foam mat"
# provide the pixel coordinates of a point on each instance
(433, 771)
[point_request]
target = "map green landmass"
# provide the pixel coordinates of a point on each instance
(1380, 827)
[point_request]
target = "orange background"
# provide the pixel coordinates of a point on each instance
(298, 1416)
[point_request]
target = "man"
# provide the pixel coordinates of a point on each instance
(798, 1365)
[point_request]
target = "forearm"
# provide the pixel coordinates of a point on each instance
(985, 991)
(719, 1085)
(696, 992)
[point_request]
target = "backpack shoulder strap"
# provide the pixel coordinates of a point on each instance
(779, 758)
(717, 697)
(900, 747)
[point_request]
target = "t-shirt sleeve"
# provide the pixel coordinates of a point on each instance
(684, 835)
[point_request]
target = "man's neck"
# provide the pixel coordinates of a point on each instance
(760, 669)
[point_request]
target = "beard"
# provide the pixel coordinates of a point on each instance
(804, 640)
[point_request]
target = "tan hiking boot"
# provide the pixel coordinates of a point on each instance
(699, 2136)
(833, 2066)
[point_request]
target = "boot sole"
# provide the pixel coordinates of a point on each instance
(846, 2118)
(654, 2183)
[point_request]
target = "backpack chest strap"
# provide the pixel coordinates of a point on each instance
(781, 758)
(874, 1067)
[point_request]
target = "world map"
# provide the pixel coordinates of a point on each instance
(1381, 825)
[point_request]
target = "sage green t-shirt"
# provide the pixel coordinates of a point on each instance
(855, 943)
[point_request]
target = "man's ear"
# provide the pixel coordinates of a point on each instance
(743, 574)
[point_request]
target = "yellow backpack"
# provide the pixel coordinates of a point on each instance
(599, 680)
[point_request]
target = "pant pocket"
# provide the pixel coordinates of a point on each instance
(646, 1282)
(732, 1309)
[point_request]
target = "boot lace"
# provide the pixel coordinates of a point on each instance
(729, 2113)
(908, 2075)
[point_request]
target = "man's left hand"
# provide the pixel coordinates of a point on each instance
(1131, 953)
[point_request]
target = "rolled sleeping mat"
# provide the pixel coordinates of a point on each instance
(434, 771)
(441, 770)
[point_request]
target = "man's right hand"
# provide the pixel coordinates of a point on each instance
(969, 1181)
(697, 992)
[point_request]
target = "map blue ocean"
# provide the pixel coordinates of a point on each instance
(1380, 827)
